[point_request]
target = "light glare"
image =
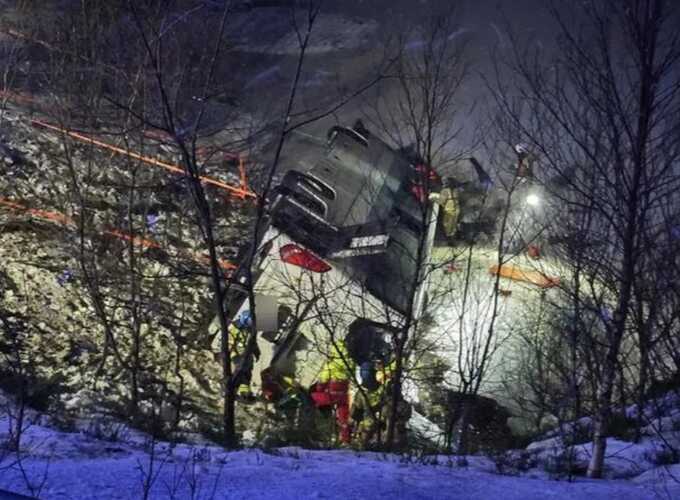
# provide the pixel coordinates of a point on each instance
(533, 200)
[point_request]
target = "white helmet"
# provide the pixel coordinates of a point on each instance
(522, 149)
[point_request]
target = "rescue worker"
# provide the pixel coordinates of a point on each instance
(372, 408)
(525, 161)
(450, 211)
(332, 388)
(366, 406)
(280, 389)
(242, 362)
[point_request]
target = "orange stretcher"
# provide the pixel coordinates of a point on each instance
(517, 273)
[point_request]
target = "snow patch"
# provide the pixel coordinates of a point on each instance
(74, 465)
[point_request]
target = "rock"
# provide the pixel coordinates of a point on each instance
(545, 445)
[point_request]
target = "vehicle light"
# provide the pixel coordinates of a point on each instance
(424, 171)
(293, 254)
(419, 193)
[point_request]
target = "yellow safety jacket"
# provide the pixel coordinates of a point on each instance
(238, 340)
(450, 211)
(339, 365)
(384, 374)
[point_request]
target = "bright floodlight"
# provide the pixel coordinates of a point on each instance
(533, 200)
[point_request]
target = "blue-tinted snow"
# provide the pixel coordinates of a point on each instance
(81, 467)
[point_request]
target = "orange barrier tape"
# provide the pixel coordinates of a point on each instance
(65, 220)
(242, 193)
(517, 273)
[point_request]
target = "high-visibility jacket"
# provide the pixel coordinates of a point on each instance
(367, 406)
(384, 373)
(450, 211)
(238, 340)
(339, 366)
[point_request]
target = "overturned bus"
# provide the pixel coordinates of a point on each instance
(349, 232)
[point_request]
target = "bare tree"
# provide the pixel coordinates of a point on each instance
(185, 133)
(601, 112)
(418, 110)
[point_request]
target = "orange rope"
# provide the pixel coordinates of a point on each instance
(65, 220)
(60, 218)
(243, 193)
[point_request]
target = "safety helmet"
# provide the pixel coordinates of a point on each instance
(245, 319)
(522, 149)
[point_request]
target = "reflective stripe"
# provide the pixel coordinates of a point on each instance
(238, 340)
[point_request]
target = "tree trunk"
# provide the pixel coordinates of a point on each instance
(596, 464)
(462, 442)
(395, 396)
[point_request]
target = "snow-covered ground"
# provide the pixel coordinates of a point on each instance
(77, 465)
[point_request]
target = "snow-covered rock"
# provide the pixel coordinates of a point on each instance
(623, 459)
